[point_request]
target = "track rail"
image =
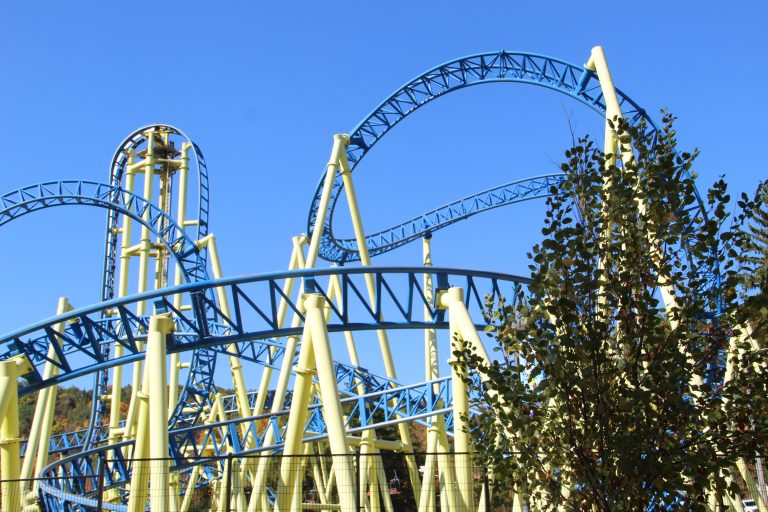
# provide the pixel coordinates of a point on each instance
(182, 249)
(254, 300)
(390, 406)
(85, 345)
(513, 67)
(199, 383)
(26, 200)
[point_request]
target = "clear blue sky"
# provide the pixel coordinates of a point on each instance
(263, 86)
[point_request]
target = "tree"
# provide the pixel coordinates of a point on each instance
(615, 400)
(755, 260)
(757, 243)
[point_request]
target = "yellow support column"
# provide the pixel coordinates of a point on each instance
(316, 351)
(298, 243)
(42, 422)
(147, 166)
(116, 396)
(431, 371)
(160, 326)
(138, 493)
(365, 260)
(462, 441)
(9, 436)
(326, 374)
(178, 275)
(297, 419)
(462, 329)
(258, 498)
(598, 63)
(449, 498)
(235, 365)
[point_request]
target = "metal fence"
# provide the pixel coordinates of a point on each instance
(356, 482)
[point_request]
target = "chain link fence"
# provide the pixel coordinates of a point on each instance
(362, 481)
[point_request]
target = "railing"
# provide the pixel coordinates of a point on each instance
(222, 483)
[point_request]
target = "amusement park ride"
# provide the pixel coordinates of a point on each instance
(167, 314)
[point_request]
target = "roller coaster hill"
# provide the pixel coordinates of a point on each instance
(168, 315)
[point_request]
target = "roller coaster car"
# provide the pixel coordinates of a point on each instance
(312, 496)
(394, 486)
(161, 149)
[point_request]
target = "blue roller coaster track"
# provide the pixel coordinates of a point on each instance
(252, 326)
(514, 67)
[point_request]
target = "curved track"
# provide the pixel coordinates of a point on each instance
(255, 299)
(200, 379)
(513, 67)
(253, 326)
(401, 300)
(183, 250)
(117, 170)
(24, 201)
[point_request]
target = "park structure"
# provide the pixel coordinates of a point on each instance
(167, 314)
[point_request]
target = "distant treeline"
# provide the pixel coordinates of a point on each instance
(72, 410)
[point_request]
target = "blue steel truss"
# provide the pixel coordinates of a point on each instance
(350, 380)
(200, 376)
(86, 343)
(515, 67)
(182, 249)
(398, 303)
(117, 170)
(369, 411)
(73, 192)
(439, 218)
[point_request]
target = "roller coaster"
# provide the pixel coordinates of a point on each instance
(167, 313)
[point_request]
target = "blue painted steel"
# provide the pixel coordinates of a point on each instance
(393, 405)
(91, 332)
(199, 384)
(117, 170)
(18, 203)
(67, 193)
(515, 67)
(254, 301)
(439, 218)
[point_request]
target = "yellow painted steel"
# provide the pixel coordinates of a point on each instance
(151, 404)
(371, 474)
(296, 420)
(178, 276)
(258, 499)
(42, 422)
(138, 493)
(598, 63)
(365, 260)
(117, 373)
(159, 328)
(9, 435)
(315, 353)
(462, 327)
(235, 365)
(282, 311)
(146, 166)
(209, 418)
(453, 300)
(436, 429)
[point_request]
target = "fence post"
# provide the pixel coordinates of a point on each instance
(358, 491)
(228, 478)
(100, 483)
(761, 477)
